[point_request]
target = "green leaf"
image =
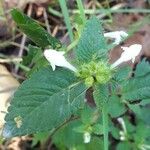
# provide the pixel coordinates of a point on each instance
(129, 126)
(34, 54)
(40, 137)
(35, 59)
(92, 43)
(1, 140)
(116, 106)
(101, 94)
(145, 102)
(37, 66)
(142, 68)
(34, 31)
(95, 144)
(67, 137)
(124, 146)
(114, 131)
(136, 88)
(142, 113)
(44, 102)
(97, 129)
(142, 135)
(88, 115)
(122, 74)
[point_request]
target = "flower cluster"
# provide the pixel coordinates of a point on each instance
(99, 72)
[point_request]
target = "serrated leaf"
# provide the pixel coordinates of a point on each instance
(92, 43)
(97, 129)
(122, 74)
(136, 88)
(145, 102)
(44, 102)
(142, 68)
(116, 106)
(101, 94)
(141, 135)
(34, 31)
(142, 113)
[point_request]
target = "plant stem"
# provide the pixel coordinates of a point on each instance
(80, 6)
(105, 125)
(107, 11)
(110, 15)
(65, 12)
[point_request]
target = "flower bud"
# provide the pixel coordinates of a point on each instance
(89, 81)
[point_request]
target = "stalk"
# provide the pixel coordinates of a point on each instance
(81, 9)
(65, 12)
(105, 125)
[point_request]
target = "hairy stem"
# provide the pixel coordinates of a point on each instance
(105, 125)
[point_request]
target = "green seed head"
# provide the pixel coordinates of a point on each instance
(89, 81)
(95, 72)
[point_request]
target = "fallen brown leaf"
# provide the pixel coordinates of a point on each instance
(8, 85)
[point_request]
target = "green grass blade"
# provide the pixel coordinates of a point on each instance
(65, 12)
(80, 6)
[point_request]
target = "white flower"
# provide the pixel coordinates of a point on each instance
(129, 53)
(117, 35)
(87, 137)
(122, 135)
(121, 121)
(122, 138)
(56, 58)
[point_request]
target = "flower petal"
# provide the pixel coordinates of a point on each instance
(87, 137)
(56, 58)
(117, 35)
(130, 53)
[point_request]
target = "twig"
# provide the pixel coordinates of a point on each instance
(18, 45)
(18, 76)
(8, 43)
(55, 31)
(46, 21)
(116, 7)
(8, 60)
